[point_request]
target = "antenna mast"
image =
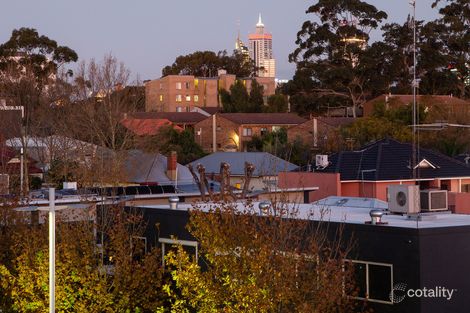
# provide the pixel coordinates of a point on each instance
(414, 85)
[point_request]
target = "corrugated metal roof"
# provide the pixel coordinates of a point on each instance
(144, 168)
(265, 163)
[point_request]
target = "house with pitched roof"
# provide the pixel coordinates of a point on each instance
(369, 171)
(148, 123)
(232, 131)
(318, 131)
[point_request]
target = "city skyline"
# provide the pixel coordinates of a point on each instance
(150, 36)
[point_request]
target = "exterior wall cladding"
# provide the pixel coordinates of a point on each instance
(175, 93)
(421, 258)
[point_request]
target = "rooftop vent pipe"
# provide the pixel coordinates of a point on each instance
(173, 200)
(264, 207)
(376, 217)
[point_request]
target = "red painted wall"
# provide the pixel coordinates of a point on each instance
(328, 183)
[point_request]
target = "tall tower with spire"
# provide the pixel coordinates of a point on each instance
(261, 51)
(240, 46)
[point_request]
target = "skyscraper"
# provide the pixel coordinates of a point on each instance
(261, 51)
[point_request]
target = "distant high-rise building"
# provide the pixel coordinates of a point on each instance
(261, 51)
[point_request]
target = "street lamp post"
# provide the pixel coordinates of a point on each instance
(51, 250)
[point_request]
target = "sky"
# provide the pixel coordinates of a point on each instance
(149, 34)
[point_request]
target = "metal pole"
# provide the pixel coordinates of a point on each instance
(51, 250)
(21, 170)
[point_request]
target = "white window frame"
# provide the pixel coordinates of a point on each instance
(188, 98)
(178, 85)
(179, 98)
(367, 263)
(173, 242)
(196, 98)
(140, 238)
(247, 132)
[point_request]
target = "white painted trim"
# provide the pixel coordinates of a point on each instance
(367, 263)
(169, 241)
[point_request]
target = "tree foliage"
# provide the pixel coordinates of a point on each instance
(277, 144)
(168, 139)
(248, 263)
(238, 100)
(27, 49)
(86, 279)
(207, 64)
(335, 51)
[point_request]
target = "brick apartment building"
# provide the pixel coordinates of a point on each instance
(232, 131)
(318, 132)
(182, 93)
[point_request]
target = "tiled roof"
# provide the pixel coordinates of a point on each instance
(264, 118)
(147, 127)
(388, 159)
(211, 110)
(336, 121)
(174, 117)
(265, 163)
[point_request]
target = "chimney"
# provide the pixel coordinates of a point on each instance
(171, 166)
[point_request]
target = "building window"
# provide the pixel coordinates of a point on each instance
(138, 247)
(161, 86)
(179, 109)
(263, 131)
(178, 85)
(168, 244)
(374, 281)
(196, 98)
(161, 98)
(276, 128)
(179, 98)
(219, 128)
(187, 85)
(247, 132)
(188, 98)
(196, 84)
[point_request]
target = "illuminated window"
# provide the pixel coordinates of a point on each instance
(178, 85)
(247, 132)
(276, 128)
(196, 98)
(179, 98)
(188, 98)
(196, 83)
(161, 98)
(179, 109)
